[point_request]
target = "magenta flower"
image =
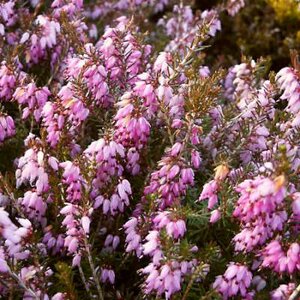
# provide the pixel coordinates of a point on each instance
(260, 212)
(108, 275)
(133, 237)
(235, 281)
(33, 98)
(215, 216)
(274, 257)
(8, 81)
(233, 6)
(7, 127)
(283, 291)
(73, 179)
(210, 192)
(288, 81)
(175, 227)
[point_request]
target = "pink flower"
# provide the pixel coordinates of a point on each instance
(259, 209)
(152, 242)
(85, 222)
(175, 228)
(233, 6)
(296, 204)
(288, 81)
(176, 148)
(76, 260)
(73, 179)
(196, 159)
(3, 264)
(8, 13)
(133, 238)
(275, 258)
(235, 281)
(58, 296)
(7, 127)
(211, 18)
(210, 192)
(34, 98)
(170, 190)
(283, 291)
(215, 216)
(107, 275)
(7, 82)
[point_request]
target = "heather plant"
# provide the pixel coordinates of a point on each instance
(139, 159)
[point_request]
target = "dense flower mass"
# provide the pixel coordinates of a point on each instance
(140, 161)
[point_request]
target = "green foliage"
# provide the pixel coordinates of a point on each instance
(64, 275)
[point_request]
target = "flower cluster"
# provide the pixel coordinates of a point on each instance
(233, 6)
(288, 82)
(236, 280)
(33, 97)
(260, 211)
(7, 127)
(183, 26)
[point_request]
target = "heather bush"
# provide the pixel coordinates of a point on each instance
(149, 149)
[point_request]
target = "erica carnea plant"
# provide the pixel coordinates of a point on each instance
(137, 164)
